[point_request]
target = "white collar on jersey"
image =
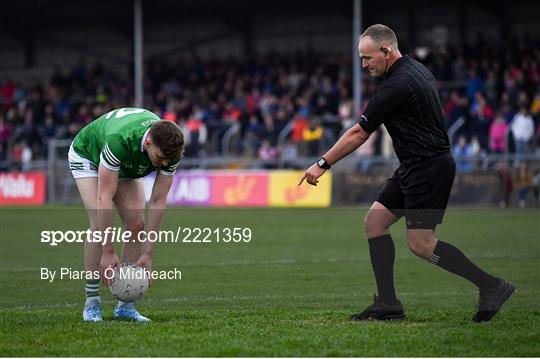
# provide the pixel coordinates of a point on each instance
(144, 139)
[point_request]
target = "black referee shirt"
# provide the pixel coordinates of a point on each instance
(408, 104)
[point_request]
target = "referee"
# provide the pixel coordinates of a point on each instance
(408, 104)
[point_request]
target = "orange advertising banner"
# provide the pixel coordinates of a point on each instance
(285, 192)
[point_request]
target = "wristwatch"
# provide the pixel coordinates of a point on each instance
(322, 163)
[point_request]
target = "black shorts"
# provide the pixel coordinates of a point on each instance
(420, 191)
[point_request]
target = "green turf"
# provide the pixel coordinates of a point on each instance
(288, 292)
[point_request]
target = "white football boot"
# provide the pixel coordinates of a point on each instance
(127, 311)
(92, 310)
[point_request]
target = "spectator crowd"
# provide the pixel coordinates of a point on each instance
(490, 95)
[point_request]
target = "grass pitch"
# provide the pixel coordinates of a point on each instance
(288, 292)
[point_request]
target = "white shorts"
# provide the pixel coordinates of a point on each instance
(80, 167)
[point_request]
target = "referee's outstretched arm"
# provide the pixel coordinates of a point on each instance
(353, 138)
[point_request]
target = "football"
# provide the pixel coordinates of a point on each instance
(129, 283)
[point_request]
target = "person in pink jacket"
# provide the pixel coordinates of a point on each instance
(497, 134)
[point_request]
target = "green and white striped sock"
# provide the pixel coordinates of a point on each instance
(92, 288)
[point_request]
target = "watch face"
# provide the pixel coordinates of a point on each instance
(323, 164)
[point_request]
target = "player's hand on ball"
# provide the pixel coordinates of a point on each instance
(109, 262)
(145, 261)
(312, 174)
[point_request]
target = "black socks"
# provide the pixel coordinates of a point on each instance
(453, 260)
(446, 256)
(383, 253)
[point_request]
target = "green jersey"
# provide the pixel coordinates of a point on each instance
(116, 140)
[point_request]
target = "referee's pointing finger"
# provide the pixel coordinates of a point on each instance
(302, 179)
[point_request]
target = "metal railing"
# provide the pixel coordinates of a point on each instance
(454, 128)
(232, 131)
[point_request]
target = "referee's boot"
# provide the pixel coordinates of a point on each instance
(491, 300)
(380, 310)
